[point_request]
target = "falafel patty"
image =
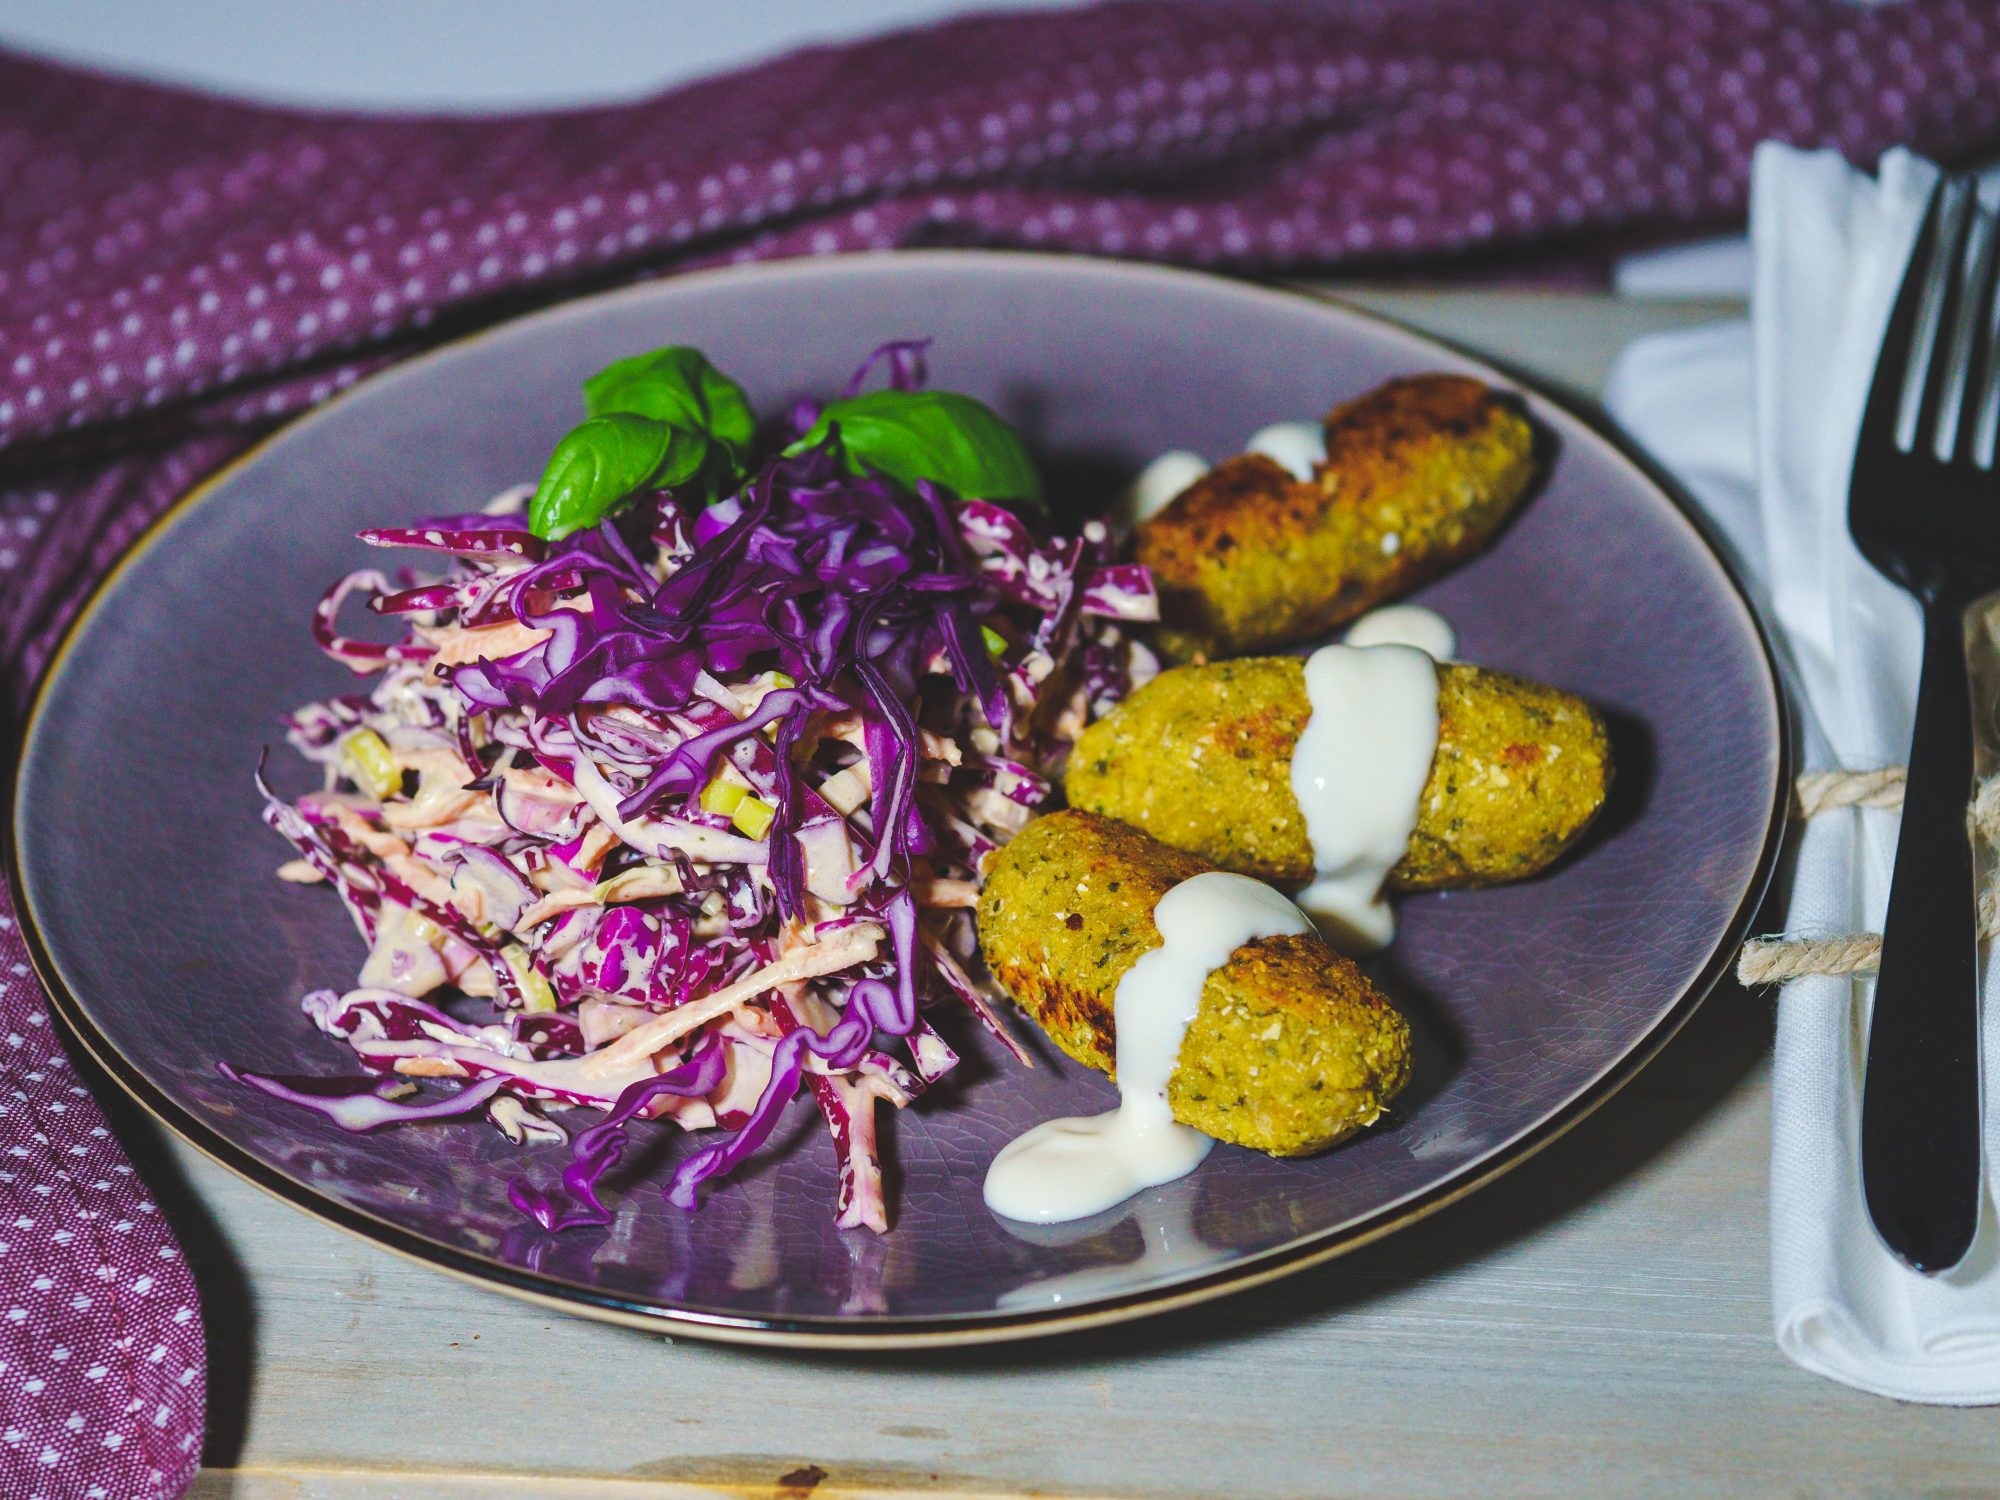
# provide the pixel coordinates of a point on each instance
(1291, 1050)
(1200, 758)
(1418, 474)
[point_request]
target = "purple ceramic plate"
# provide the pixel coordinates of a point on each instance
(168, 945)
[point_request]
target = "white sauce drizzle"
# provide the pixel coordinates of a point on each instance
(1299, 446)
(1158, 483)
(1358, 772)
(1072, 1168)
(1405, 625)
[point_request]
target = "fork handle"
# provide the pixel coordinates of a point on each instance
(1920, 1134)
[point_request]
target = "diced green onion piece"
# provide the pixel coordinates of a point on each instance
(722, 796)
(535, 991)
(996, 643)
(424, 930)
(606, 891)
(371, 764)
(783, 680)
(752, 817)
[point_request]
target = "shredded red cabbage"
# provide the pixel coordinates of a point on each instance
(597, 1150)
(684, 813)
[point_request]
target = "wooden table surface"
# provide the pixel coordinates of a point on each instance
(1595, 1323)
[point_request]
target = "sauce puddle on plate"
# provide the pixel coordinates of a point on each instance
(1072, 1168)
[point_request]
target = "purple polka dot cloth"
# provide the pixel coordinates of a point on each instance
(101, 1360)
(178, 273)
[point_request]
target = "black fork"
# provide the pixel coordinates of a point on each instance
(1924, 508)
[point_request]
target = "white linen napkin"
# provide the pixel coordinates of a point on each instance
(1759, 420)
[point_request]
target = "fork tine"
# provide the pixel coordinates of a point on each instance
(1940, 244)
(1969, 352)
(1983, 417)
(1881, 419)
(1967, 339)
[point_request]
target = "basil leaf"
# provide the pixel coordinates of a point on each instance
(676, 385)
(950, 439)
(601, 462)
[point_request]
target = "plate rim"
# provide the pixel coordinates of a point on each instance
(888, 1333)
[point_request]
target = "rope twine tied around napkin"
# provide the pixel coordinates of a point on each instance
(1775, 959)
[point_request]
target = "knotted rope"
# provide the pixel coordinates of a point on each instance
(1773, 960)
(1822, 791)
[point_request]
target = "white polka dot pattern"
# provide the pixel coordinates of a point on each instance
(102, 1385)
(176, 273)
(157, 247)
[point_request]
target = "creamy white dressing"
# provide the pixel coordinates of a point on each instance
(1405, 625)
(1159, 482)
(1299, 447)
(1072, 1168)
(402, 959)
(1358, 772)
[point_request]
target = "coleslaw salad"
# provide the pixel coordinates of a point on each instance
(680, 814)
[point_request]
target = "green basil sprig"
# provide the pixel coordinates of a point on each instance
(948, 438)
(602, 462)
(655, 421)
(676, 385)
